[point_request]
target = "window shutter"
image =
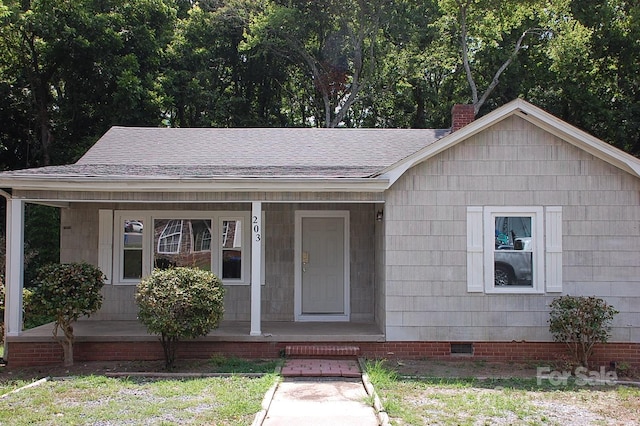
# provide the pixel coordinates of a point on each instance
(553, 249)
(475, 254)
(105, 243)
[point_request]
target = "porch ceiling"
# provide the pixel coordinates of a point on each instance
(228, 331)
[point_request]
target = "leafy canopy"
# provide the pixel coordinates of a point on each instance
(68, 291)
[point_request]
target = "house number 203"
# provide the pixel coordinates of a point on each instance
(256, 228)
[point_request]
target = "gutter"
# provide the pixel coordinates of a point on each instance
(199, 185)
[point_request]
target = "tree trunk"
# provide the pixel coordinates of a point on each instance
(67, 344)
(169, 345)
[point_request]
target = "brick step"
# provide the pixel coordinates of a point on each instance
(321, 368)
(321, 351)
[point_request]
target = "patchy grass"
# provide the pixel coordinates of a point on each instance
(101, 400)
(517, 401)
(87, 396)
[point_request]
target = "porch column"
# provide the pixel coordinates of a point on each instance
(256, 267)
(14, 268)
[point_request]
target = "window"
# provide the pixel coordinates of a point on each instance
(513, 254)
(507, 249)
(132, 248)
(175, 241)
(201, 235)
(231, 249)
(207, 240)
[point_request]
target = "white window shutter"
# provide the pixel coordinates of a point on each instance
(553, 249)
(475, 253)
(105, 243)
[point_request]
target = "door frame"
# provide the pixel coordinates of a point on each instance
(298, 315)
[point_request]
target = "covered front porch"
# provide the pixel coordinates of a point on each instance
(130, 341)
(228, 331)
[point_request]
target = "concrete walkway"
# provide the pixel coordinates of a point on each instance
(319, 393)
(320, 402)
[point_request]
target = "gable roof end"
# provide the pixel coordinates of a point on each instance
(534, 115)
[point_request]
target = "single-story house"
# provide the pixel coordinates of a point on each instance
(382, 242)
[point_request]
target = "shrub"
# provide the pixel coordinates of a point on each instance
(32, 317)
(66, 292)
(179, 303)
(580, 322)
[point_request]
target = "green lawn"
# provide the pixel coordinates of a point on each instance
(96, 400)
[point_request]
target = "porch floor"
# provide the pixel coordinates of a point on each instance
(228, 331)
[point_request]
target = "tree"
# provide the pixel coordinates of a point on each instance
(71, 69)
(412, 85)
(332, 42)
(483, 24)
(66, 292)
(179, 303)
(207, 82)
(592, 71)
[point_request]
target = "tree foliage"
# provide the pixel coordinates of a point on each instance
(70, 69)
(66, 292)
(179, 303)
(581, 322)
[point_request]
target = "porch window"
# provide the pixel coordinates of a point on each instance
(175, 241)
(201, 235)
(514, 249)
(132, 248)
(231, 249)
(207, 240)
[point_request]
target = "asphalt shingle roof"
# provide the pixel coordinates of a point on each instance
(138, 152)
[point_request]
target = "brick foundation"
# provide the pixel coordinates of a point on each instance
(47, 353)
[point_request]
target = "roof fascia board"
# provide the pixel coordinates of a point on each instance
(378, 184)
(582, 140)
(67, 203)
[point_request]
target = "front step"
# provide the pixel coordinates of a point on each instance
(321, 351)
(321, 368)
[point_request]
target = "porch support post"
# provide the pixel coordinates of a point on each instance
(256, 267)
(14, 268)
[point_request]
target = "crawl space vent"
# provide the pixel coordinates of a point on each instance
(462, 349)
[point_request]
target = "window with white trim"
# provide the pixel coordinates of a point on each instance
(232, 253)
(207, 240)
(514, 249)
(132, 248)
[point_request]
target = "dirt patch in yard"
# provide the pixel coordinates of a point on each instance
(97, 368)
(462, 369)
(416, 368)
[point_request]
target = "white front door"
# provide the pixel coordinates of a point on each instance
(322, 279)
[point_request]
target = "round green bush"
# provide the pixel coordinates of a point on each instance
(179, 303)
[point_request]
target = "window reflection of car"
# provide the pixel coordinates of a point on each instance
(513, 263)
(133, 226)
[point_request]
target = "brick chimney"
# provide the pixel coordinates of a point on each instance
(461, 115)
